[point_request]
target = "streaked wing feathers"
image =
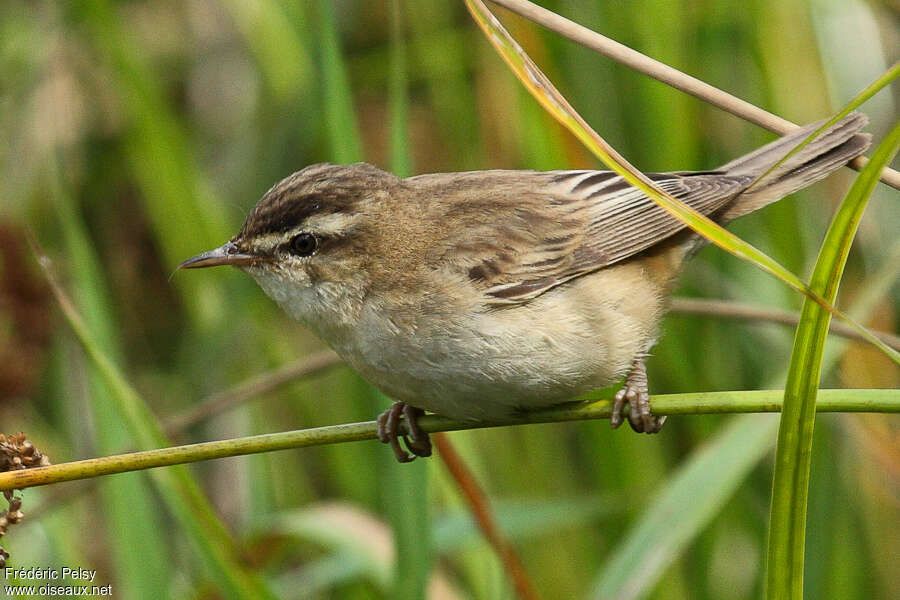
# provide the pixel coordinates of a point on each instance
(551, 227)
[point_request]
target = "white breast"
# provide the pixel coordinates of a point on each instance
(489, 363)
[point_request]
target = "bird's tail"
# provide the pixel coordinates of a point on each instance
(832, 149)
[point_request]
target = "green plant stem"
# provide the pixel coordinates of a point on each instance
(887, 401)
(790, 489)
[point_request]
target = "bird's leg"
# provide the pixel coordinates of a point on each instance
(637, 394)
(417, 441)
(387, 431)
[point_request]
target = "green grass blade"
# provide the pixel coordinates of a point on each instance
(685, 505)
(787, 526)
(340, 118)
(401, 159)
(278, 50)
(404, 495)
(177, 487)
(553, 101)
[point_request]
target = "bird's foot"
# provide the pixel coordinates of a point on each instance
(416, 442)
(637, 394)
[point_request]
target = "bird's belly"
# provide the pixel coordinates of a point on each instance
(497, 362)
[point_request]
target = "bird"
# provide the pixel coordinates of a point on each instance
(481, 295)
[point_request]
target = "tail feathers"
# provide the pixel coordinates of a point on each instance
(832, 149)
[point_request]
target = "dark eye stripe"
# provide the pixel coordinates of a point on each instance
(279, 214)
(319, 189)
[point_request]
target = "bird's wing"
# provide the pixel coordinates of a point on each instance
(531, 231)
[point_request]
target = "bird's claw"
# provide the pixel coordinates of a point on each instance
(416, 441)
(635, 392)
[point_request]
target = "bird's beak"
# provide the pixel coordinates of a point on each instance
(226, 254)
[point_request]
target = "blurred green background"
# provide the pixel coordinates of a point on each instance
(135, 134)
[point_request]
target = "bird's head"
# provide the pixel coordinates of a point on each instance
(311, 240)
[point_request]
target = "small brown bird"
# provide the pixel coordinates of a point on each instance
(478, 295)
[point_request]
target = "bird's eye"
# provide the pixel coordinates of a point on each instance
(304, 244)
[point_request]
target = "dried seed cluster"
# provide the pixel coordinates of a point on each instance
(16, 452)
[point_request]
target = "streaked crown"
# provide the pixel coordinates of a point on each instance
(312, 195)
